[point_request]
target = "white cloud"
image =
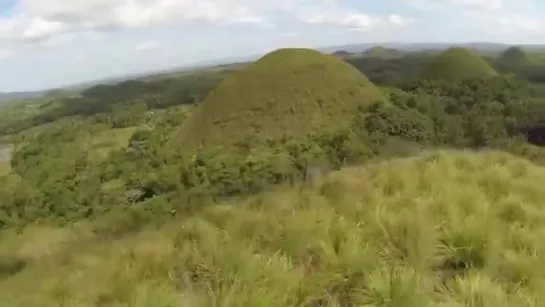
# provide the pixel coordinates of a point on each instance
(105, 14)
(39, 28)
(514, 21)
(147, 46)
(354, 20)
(478, 4)
(21, 29)
(80, 58)
(93, 35)
(5, 53)
(253, 20)
(518, 23)
(399, 20)
(358, 21)
(510, 25)
(330, 12)
(42, 20)
(290, 34)
(430, 5)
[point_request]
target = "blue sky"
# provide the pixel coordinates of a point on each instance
(48, 43)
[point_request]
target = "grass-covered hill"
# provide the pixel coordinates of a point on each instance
(522, 63)
(342, 53)
(456, 64)
(287, 92)
(382, 52)
(440, 229)
(513, 57)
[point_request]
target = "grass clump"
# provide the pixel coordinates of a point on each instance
(440, 229)
(286, 92)
(459, 64)
(5, 168)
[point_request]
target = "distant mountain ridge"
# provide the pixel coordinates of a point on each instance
(481, 46)
(16, 96)
(350, 48)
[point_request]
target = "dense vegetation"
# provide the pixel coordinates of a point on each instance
(431, 199)
(118, 104)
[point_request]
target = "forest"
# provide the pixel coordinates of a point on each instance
(302, 179)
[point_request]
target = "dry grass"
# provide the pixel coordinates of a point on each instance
(5, 168)
(447, 229)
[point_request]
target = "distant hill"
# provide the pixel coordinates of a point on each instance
(288, 92)
(20, 96)
(420, 46)
(383, 52)
(456, 64)
(341, 53)
(513, 57)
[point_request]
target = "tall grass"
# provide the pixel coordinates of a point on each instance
(444, 229)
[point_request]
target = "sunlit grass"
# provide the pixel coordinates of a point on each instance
(5, 168)
(445, 229)
(111, 139)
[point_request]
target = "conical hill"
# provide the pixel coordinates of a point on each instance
(458, 64)
(290, 92)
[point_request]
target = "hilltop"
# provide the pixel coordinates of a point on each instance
(287, 92)
(382, 52)
(513, 57)
(457, 64)
(341, 53)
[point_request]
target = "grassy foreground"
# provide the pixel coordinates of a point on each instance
(443, 229)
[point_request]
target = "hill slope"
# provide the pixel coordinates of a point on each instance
(286, 92)
(456, 64)
(447, 229)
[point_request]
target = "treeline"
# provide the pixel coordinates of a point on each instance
(390, 71)
(119, 102)
(529, 72)
(59, 182)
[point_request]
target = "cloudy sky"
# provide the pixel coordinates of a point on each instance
(47, 43)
